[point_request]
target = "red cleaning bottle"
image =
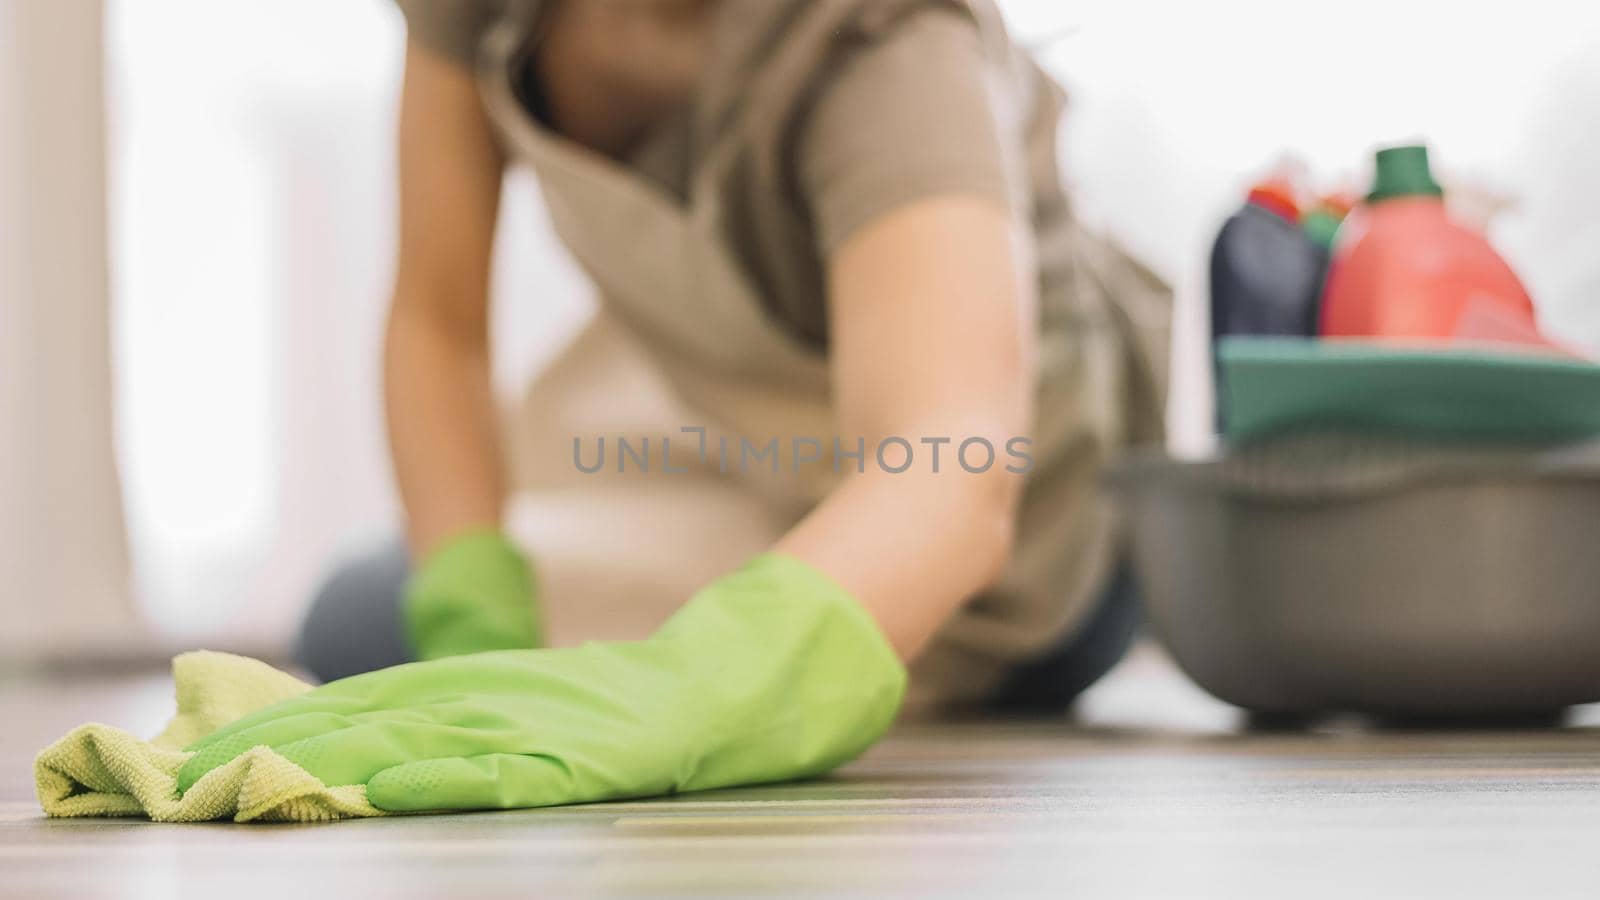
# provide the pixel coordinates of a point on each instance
(1402, 268)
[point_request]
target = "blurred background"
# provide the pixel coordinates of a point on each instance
(196, 217)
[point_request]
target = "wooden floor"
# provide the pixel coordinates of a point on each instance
(1155, 793)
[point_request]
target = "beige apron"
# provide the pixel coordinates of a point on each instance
(683, 339)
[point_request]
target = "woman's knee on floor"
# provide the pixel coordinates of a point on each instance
(355, 622)
(1052, 682)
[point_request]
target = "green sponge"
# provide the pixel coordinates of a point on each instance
(1272, 386)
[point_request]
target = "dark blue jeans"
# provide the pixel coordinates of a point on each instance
(355, 625)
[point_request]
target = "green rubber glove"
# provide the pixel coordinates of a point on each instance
(770, 673)
(475, 593)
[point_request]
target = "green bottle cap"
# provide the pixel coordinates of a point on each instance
(1320, 226)
(1403, 172)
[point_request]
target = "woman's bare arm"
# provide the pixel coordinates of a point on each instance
(443, 433)
(933, 330)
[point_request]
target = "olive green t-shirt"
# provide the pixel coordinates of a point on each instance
(913, 102)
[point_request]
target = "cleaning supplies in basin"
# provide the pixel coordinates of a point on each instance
(1426, 332)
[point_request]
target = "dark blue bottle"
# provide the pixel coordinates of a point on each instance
(1266, 274)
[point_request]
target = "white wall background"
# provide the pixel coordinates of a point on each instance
(61, 524)
(252, 202)
(252, 189)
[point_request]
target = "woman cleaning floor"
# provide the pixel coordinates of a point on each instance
(835, 232)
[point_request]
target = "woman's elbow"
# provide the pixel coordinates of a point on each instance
(991, 522)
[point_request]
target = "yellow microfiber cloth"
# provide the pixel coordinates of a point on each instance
(98, 770)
